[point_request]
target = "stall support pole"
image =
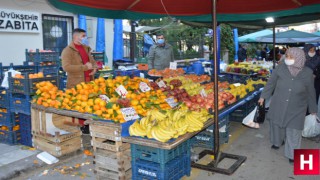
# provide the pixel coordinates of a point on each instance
(274, 45)
(218, 157)
(133, 41)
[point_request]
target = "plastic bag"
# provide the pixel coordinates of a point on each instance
(5, 82)
(249, 120)
(260, 114)
(311, 126)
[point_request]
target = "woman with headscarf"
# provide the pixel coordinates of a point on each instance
(291, 87)
(313, 62)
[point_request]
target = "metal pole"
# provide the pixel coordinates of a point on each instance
(274, 46)
(132, 40)
(215, 78)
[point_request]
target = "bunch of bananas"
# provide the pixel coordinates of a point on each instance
(171, 124)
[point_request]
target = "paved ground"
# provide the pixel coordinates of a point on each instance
(262, 162)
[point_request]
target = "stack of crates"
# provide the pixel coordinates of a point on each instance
(130, 73)
(155, 163)
(142, 64)
(21, 92)
(46, 62)
(205, 139)
(9, 122)
(111, 156)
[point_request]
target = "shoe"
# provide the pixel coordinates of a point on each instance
(282, 143)
(85, 129)
(291, 161)
(274, 147)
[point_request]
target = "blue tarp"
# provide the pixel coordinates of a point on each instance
(236, 43)
(118, 40)
(252, 37)
(82, 23)
(100, 41)
(147, 43)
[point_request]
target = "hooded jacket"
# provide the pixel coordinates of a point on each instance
(312, 62)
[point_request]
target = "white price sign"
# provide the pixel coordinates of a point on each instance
(203, 93)
(105, 98)
(161, 84)
(144, 87)
(173, 65)
(122, 91)
(129, 113)
(171, 102)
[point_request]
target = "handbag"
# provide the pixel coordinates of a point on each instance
(260, 114)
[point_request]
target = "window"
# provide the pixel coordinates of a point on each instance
(57, 32)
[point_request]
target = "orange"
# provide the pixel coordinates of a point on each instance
(83, 104)
(88, 109)
(102, 103)
(79, 86)
(90, 102)
(98, 112)
(45, 104)
(115, 107)
(84, 97)
(96, 107)
(134, 102)
(101, 79)
(97, 101)
(110, 111)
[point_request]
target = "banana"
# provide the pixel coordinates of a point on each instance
(157, 136)
(137, 130)
(149, 128)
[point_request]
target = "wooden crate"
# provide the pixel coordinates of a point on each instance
(107, 144)
(57, 149)
(108, 131)
(114, 161)
(40, 118)
(104, 174)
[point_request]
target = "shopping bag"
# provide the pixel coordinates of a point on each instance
(260, 114)
(311, 126)
(248, 120)
(5, 82)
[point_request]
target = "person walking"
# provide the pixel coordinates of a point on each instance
(313, 62)
(160, 54)
(291, 87)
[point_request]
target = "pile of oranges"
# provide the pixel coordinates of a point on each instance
(31, 76)
(85, 97)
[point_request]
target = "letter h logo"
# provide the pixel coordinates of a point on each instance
(307, 162)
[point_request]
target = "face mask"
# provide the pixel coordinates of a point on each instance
(160, 41)
(311, 54)
(289, 62)
(84, 41)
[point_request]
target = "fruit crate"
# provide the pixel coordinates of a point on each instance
(57, 149)
(20, 104)
(102, 173)
(4, 98)
(173, 170)
(205, 139)
(158, 155)
(239, 114)
(25, 121)
(27, 86)
(25, 68)
(130, 73)
(26, 137)
(9, 119)
(62, 82)
(40, 123)
(52, 70)
(98, 56)
(38, 56)
(10, 137)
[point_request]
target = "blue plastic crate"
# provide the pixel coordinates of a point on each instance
(20, 104)
(173, 170)
(27, 86)
(9, 119)
(38, 56)
(25, 121)
(48, 70)
(205, 138)
(26, 137)
(130, 73)
(158, 155)
(62, 82)
(10, 137)
(4, 98)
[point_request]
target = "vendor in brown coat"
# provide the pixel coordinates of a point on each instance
(292, 90)
(77, 60)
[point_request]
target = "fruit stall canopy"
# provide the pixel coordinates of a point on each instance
(291, 36)
(192, 10)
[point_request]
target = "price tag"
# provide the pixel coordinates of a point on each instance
(144, 87)
(105, 98)
(129, 113)
(173, 65)
(203, 93)
(161, 84)
(171, 102)
(122, 91)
